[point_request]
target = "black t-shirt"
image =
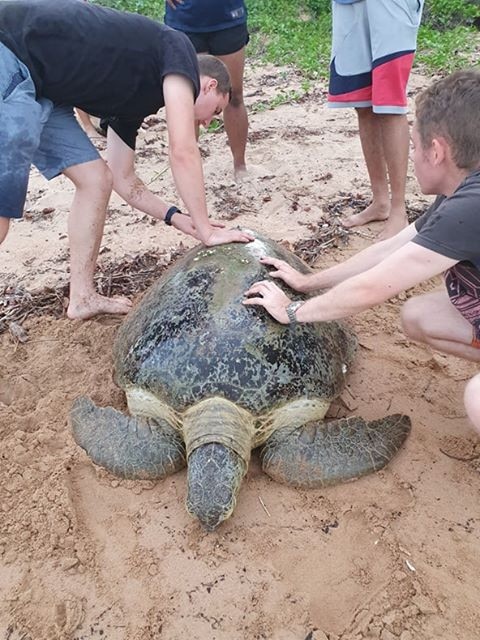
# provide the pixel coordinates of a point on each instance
(108, 63)
(451, 226)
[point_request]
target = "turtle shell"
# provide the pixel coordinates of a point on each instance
(190, 338)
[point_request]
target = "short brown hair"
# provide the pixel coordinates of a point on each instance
(214, 68)
(450, 108)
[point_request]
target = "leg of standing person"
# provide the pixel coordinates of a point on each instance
(395, 146)
(235, 114)
(471, 399)
(385, 143)
(87, 124)
(372, 53)
(372, 147)
(65, 148)
(393, 30)
(4, 226)
(229, 46)
(93, 186)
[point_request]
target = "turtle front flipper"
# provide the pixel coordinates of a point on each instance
(318, 453)
(129, 447)
(215, 473)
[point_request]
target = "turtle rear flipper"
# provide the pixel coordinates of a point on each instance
(129, 447)
(318, 454)
(215, 473)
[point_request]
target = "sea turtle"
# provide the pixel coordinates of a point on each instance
(208, 379)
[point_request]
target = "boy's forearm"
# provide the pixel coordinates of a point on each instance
(358, 263)
(187, 172)
(136, 193)
(343, 300)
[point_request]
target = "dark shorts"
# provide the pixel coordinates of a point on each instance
(220, 43)
(33, 131)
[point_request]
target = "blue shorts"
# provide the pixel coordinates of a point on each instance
(33, 131)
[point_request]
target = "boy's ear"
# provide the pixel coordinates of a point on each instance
(211, 83)
(441, 150)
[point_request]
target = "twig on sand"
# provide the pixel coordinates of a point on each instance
(264, 506)
(127, 277)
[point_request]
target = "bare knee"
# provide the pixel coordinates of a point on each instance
(364, 113)
(92, 177)
(4, 226)
(412, 319)
(236, 99)
(471, 398)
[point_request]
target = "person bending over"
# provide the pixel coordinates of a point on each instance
(59, 54)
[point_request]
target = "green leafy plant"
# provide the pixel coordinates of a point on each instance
(150, 8)
(447, 14)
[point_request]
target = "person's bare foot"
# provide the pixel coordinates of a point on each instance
(88, 307)
(240, 173)
(372, 213)
(394, 225)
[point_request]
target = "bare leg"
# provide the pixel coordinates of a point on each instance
(235, 115)
(93, 182)
(395, 137)
(432, 319)
(471, 399)
(4, 226)
(385, 140)
(370, 130)
(87, 124)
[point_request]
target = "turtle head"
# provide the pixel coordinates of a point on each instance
(215, 473)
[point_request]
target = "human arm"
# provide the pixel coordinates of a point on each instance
(326, 278)
(173, 3)
(186, 163)
(121, 161)
(401, 270)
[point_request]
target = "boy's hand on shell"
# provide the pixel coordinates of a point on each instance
(222, 236)
(268, 295)
(285, 272)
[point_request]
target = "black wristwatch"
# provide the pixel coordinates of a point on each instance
(291, 310)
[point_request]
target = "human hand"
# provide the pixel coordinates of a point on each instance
(183, 222)
(271, 297)
(227, 235)
(173, 3)
(288, 274)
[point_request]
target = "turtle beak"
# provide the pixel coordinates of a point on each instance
(215, 473)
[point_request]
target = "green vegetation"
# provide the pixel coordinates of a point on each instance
(298, 33)
(286, 32)
(151, 8)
